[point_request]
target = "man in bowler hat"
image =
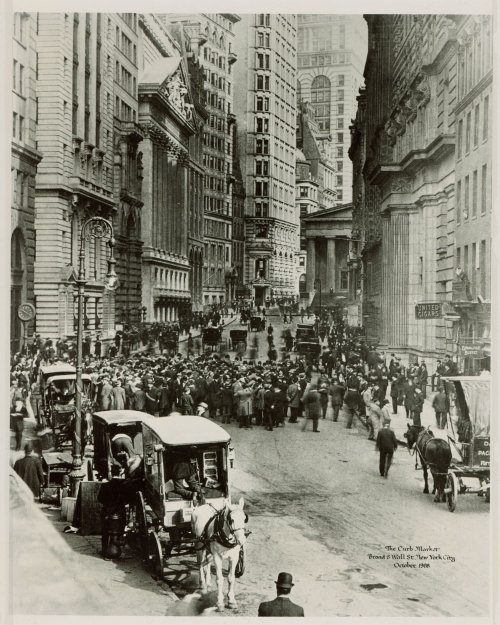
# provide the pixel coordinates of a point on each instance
(281, 606)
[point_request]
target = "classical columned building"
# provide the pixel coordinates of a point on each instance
(25, 159)
(327, 235)
(406, 208)
(166, 115)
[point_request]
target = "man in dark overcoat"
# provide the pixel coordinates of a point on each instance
(30, 470)
(281, 606)
(386, 443)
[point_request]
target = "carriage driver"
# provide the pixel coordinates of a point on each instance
(185, 476)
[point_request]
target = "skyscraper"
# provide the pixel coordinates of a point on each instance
(212, 44)
(331, 56)
(265, 106)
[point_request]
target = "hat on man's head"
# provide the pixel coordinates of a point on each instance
(284, 580)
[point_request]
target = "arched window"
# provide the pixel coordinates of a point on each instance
(302, 283)
(320, 98)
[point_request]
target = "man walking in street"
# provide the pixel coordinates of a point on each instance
(386, 444)
(312, 403)
(337, 391)
(281, 606)
(30, 470)
(441, 406)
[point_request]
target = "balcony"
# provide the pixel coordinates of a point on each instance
(231, 118)
(232, 57)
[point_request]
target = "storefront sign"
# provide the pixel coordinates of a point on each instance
(428, 311)
(472, 351)
(481, 456)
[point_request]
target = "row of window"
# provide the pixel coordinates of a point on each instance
(217, 143)
(125, 79)
(214, 57)
(20, 188)
(262, 39)
(217, 163)
(123, 111)
(467, 195)
(170, 279)
(217, 102)
(214, 252)
(464, 143)
(474, 267)
(216, 184)
(130, 19)
(216, 205)
(217, 81)
(322, 60)
(125, 45)
(475, 60)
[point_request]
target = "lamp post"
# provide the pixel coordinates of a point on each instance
(96, 228)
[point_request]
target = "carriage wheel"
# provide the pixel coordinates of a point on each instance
(140, 517)
(451, 496)
(155, 555)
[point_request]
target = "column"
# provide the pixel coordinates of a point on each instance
(330, 282)
(311, 264)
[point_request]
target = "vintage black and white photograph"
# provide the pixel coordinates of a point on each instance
(266, 222)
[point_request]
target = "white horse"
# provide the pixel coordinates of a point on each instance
(222, 535)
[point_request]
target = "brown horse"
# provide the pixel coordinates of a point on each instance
(434, 453)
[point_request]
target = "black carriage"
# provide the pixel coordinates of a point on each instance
(310, 349)
(238, 336)
(58, 401)
(470, 436)
(211, 337)
(170, 340)
(257, 323)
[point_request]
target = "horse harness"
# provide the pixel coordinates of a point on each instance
(222, 532)
(421, 451)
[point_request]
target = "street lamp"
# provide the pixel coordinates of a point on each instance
(97, 228)
(314, 284)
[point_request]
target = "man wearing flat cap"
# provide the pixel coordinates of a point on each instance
(281, 606)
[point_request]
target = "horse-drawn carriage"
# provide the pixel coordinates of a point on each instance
(168, 520)
(470, 437)
(310, 349)
(57, 403)
(257, 323)
(238, 336)
(212, 336)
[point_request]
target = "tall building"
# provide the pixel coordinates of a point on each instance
(265, 107)
(331, 56)
(25, 159)
(421, 148)
(75, 179)
(212, 43)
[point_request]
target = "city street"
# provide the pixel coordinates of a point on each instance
(319, 509)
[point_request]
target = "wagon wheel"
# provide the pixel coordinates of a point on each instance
(155, 555)
(140, 517)
(452, 487)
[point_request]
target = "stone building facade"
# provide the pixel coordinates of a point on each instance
(265, 106)
(403, 252)
(212, 43)
(331, 54)
(25, 158)
(75, 181)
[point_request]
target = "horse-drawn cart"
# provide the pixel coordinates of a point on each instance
(212, 336)
(470, 437)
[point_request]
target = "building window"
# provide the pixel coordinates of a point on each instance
(262, 82)
(340, 166)
(340, 122)
(467, 133)
(340, 152)
(304, 192)
(14, 124)
(482, 268)
(340, 94)
(474, 194)
(340, 137)
(321, 94)
(466, 198)
(340, 195)
(339, 181)
(341, 80)
(459, 202)
(340, 109)
(476, 125)
(484, 189)
(460, 138)
(486, 117)
(344, 280)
